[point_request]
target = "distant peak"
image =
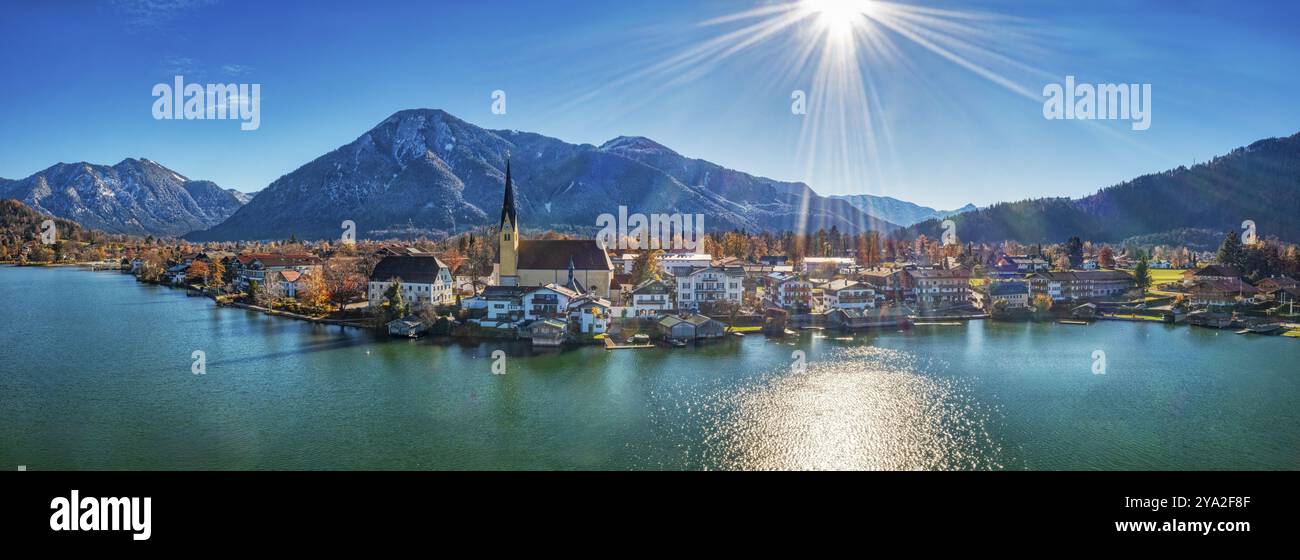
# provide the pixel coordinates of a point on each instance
(634, 144)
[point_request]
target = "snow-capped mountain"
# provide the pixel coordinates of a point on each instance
(900, 212)
(424, 171)
(136, 196)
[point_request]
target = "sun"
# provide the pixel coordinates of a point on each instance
(838, 17)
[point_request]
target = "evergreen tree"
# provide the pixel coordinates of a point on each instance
(1230, 252)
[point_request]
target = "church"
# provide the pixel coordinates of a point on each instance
(578, 264)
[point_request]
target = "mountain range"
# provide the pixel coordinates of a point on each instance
(897, 211)
(426, 172)
(1259, 183)
(136, 196)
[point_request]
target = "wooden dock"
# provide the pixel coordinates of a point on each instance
(611, 345)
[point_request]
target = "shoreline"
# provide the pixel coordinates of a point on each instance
(964, 318)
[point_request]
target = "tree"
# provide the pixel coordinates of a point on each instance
(1074, 251)
(646, 266)
(198, 272)
(394, 299)
(1042, 304)
(1142, 274)
(314, 292)
(1106, 257)
(1230, 252)
(266, 293)
(218, 276)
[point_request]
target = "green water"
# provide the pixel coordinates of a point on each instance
(95, 373)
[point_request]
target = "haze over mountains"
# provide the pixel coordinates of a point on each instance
(136, 196)
(897, 211)
(1260, 182)
(426, 172)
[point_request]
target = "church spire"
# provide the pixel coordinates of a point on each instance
(508, 205)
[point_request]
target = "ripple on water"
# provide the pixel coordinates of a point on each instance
(853, 408)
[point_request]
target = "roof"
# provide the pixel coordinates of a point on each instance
(566, 292)
(502, 292)
(555, 254)
(1232, 285)
(1008, 288)
(272, 260)
(670, 321)
(1218, 270)
(650, 286)
(508, 204)
(290, 275)
(1087, 276)
(590, 299)
(413, 269)
(837, 285)
(939, 273)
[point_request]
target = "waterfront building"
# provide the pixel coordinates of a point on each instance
(1081, 284)
(930, 286)
(710, 284)
(590, 314)
(425, 279)
(547, 302)
(848, 294)
(691, 327)
(250, 268)
(651, 298)
(792, 293)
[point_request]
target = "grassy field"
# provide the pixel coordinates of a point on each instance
(1163, 276)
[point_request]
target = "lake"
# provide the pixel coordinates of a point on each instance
(95, 373)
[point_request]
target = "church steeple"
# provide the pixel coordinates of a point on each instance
(508, 205)
(508, 237)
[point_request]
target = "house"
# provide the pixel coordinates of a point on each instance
(425, 280)
(651, 298)
(1211, 272)
(503, 304)
(773, 259)
(691, 327)
(887, 281)
(591, 314)
(252, 268)
(1018, 265)
(792, 292)
(1016, 294)
(548, 332)
(1273, 284)
(939, 287)
(289, 282)
(547, 302)
(847, 294)
(707, 285)
(1220, 291)
(175, 274)
(1081, 284)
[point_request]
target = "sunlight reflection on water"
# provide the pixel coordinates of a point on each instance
(862, 408)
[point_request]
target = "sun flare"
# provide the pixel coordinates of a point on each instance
(838, 17)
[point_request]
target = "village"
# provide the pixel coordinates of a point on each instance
(557, 290)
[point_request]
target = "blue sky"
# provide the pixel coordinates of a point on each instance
(79, 77)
